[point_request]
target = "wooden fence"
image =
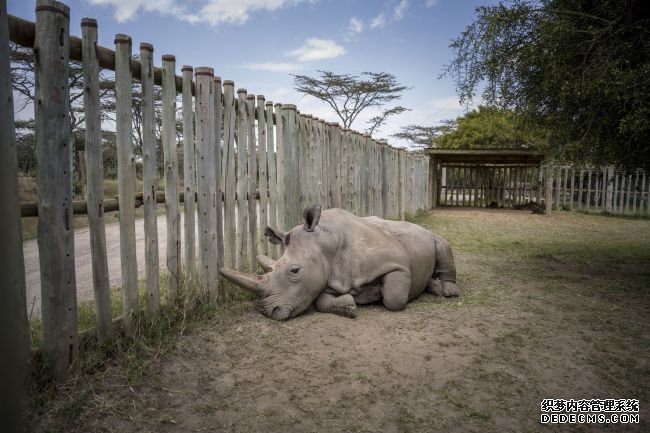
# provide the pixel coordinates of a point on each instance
(587, 189)
(243, 146)
(603, 189)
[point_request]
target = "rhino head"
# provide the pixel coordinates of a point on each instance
(293, 282)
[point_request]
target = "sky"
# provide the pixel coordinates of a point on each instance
(258, 44)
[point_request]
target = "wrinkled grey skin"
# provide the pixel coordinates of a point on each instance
(338, 261)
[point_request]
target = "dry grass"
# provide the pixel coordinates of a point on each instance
(552, 307)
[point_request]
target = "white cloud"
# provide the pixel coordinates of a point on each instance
(317, 49)
(212, 12)
(273, 67)
(430, 3)
(378, 22)
(400, 10)
(356, 26)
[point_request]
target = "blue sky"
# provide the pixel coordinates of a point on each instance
(259, 43)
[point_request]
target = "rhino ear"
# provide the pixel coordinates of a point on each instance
(276, 237)
(312, 216)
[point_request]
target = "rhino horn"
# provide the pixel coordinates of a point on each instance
(254, 283)
(267, 263)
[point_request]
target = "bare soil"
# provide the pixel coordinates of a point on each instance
(551, 307)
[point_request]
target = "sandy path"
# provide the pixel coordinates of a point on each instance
(83, 261)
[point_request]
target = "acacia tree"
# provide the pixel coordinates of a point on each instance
(424, 137)
(349, 95)
(579, 69)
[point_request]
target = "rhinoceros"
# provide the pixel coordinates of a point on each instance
(337, 261)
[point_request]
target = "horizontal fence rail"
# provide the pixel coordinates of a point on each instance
(248, 163)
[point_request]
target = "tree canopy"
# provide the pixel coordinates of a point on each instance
(578, 69)
(349, 95)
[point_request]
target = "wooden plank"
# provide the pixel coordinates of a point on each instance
(335, 164)
(279, 163)
(635, 188)
(615, 192)
(150, 172)
(271, 163)
(189, 176)
(205, 177)
(580, 187)
(242, 187)
(252, 183)
(588, 190)
(126, 181)
(218, 202)
(609, 171)
(548, 190)
(564, 186)
(290, 181)
(572, 188)
(229, 175)
(324, 158)
(621, 197)
(95, 178)
(643, 179)
(263, 172)
(628, 193)
(13, 305)
(170, 154)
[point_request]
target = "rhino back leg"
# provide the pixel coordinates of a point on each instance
(445, 270)
(395, 290)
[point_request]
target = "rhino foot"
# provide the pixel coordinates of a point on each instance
(449, 289)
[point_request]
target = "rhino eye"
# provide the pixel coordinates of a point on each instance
(295, 270)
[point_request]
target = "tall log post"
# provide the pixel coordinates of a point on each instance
(54, 179)
(150, 172)
(206, 179)
(289, 180)
(252, 183)
(217, 93)
(170, 154)
(95, 179)
(272, 172)
(189, 176)
(279, 163)
(263, 172)
(14, 327)
(229, 176)
(126, 180)
(242, 189)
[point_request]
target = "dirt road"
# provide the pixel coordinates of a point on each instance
(83, 261)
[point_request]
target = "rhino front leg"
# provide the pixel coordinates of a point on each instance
(343, 305)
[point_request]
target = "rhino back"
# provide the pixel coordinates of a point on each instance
(419, 245)
(373, 243)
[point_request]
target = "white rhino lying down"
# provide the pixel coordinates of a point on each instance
(338, 260)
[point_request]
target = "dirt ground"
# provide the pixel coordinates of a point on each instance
(551, 307)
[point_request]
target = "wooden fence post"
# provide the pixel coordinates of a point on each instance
(335, 164)
(217, 124)
(206, 179)
(279, 163)
(189, 175)
(150, 172)
(54, 178)
(170, 154)
(263, 172)
(252, 183)
(230, 177)
(242, 162)
(548, 190)
(290, 181)
(95, 179)
(271, 157)
(126, 180)
(14, 327)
